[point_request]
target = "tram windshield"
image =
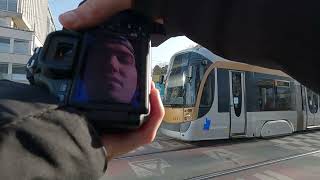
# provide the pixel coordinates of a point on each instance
(175, 87)
(184, 77)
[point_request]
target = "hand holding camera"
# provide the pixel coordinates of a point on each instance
(118, 144)
(103, 71)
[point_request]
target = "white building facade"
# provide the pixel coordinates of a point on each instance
(24, 25)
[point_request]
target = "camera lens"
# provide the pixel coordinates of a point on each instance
(63, 51)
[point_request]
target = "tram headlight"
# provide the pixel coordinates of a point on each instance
(187, 117)
(188, 114)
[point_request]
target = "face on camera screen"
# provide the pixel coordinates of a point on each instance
(110, 71)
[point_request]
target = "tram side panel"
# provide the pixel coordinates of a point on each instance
(312, 108)
(261, 107)
(210, 123)
(269, 98)
(266, 102)
(214, 124)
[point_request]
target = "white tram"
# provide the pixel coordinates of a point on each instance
(207, 97)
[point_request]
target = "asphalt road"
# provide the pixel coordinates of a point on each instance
(292, 157)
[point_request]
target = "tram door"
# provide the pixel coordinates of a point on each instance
(312, 108)
(237, 103)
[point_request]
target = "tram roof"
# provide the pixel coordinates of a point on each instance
(220, 62)
(247, 67)
(202, 51)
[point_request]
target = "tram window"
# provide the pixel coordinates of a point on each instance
(275, 95)
(180, 60)
(196, 56)
(237, 92)
(207, 95)
(283, 95)
(175, 95)
(283, 98)
(266, 95)
(223, 90)
(303, 95)
(309, 100)
(197, 77)
(208, 91)
(193, 86)
(315, 103)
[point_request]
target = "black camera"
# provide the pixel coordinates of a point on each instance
(102, 71)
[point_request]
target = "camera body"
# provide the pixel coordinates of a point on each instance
(103, 71)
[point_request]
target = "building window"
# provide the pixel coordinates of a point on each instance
(21, 46)
(3, 4)
(3, 70)
(3, 22)
(18, 69)
(19, 73)
(8, 5)
(4, 45)
(12, 5)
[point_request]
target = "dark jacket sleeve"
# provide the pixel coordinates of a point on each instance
(38, 140)
(270, 33)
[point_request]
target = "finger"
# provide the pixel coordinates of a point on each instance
(92, 12)
(123, 143)
(149, 129)
(153, 86)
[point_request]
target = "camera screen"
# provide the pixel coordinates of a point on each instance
(112, 70)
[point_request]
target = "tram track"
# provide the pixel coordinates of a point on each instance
(230, 155)
(250, 166)
(195, 145)
(189, 146)
(219, 144)
(155, 152)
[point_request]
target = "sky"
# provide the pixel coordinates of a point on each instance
(160, 54)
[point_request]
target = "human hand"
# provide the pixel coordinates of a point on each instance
(93, 12)
(118, 144)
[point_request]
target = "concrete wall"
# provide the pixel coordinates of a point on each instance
(32, 22)
(35, 14)
(11, 58)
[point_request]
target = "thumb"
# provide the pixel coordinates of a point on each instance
(92, 13)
